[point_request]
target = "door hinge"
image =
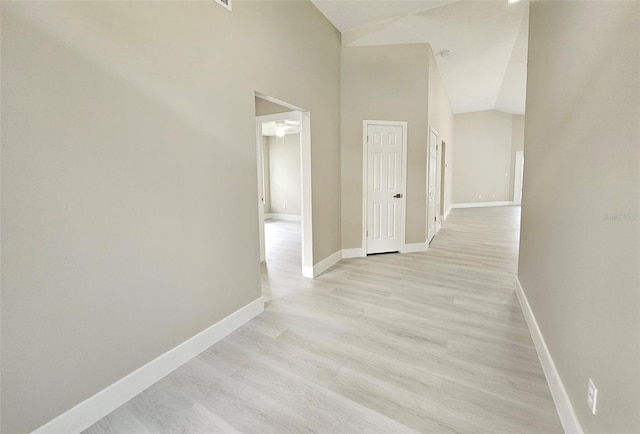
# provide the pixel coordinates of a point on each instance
(367, 139)
(367, 234)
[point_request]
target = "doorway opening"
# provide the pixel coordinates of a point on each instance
(283, 144)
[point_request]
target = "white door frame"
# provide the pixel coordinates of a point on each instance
(365, 169)
(443, 176)
(261, 195)
(305, 175)
(518, 179)
(436, 212)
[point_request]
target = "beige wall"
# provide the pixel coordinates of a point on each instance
(483, 157)
(284, 175)
(394, 83)
(440, 117)
(264, 107)
(517, 133)
(580, 241)
(384, 83)
(126, 126)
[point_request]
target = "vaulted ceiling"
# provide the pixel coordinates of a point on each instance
(480, 46)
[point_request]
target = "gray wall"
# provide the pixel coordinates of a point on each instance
(486, 142)
(517, 133)
(580, 241)
(388, 83)
(264, 107)
(284, 175)
(126, 127)
(384, 83)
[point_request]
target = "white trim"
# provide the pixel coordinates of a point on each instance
(353, 253)
(307, 272)
(228, 6)
(442, 179)
(446, 213)
(428, 173)
(306, 205)
(405, 131)
(288, 217)
(261, 192)
(414, 247)
(284, 116)
(279, 102)
(403, 227)
(327, 263)
(104, 402)
(565, 410)
(480, 204)
(518, 180)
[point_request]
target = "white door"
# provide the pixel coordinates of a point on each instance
(384, 188)
(432, 185)
(517, 178)
(260, 165)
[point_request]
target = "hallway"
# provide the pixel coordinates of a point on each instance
(429, 342)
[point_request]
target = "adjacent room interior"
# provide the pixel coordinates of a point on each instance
(282, 192)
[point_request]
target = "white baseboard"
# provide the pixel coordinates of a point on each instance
(104, 402)
(327, 263)
(406, 248)
(288, 217)
(353, 253)
(414, 247)
(307, 272)
(565, 410)
(480, 204)
(359, 252)
(446, 213)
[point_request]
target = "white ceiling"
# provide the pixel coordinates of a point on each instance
(487, 41)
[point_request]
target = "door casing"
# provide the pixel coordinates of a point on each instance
(517, 177)
(432, 185)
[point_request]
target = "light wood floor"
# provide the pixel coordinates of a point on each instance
(431, 342)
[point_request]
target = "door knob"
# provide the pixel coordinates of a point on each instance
(398, 196)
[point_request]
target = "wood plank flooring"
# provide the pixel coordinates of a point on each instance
(431, 342)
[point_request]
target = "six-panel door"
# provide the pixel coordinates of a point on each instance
(384, 191)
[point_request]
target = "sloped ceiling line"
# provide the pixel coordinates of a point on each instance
(487, 40)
